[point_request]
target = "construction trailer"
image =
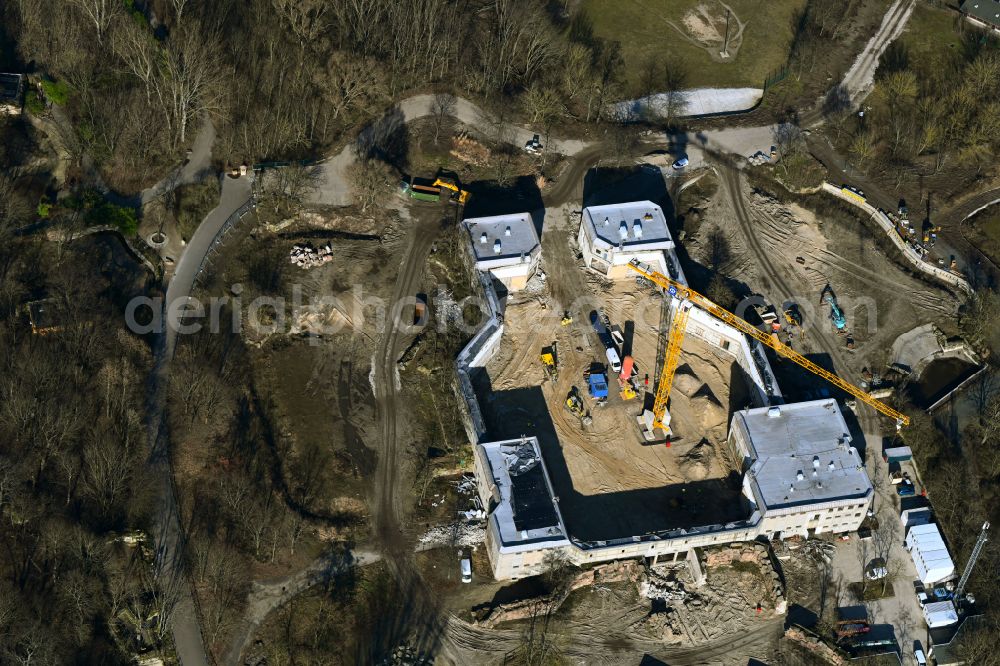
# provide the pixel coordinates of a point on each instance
(897, 454)
(940, 614)
(913, 517)
(929, 554)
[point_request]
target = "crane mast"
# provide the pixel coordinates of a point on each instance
(678, 290)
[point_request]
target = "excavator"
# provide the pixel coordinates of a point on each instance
(689, 298)
(458, 195)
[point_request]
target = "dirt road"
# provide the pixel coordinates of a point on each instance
(858, 81)
(416, 619)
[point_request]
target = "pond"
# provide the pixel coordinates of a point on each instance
(939, 377)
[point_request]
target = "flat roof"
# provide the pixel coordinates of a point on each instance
(627, 224)
(527, 510)
(515, 233)
(802, 454)
(10, 86)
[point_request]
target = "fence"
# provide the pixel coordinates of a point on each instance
(227, 226)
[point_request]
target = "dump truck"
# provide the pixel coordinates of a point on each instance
(421, 189)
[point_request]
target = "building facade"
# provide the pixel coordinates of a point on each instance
(612, 236)
(506, 246)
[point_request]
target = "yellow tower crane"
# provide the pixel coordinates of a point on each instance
(685, 294)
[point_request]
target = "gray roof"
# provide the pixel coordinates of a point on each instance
(801, 454)
(627, 224)
(10, 87)
(984, 10)
(526, 511)
(515, 233)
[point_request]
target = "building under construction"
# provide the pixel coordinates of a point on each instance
(735, 462)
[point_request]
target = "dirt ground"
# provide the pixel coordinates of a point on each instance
(880, 300)
(610, 483)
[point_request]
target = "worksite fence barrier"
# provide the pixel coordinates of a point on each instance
(909, 253)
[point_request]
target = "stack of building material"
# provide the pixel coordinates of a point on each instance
(306, 256)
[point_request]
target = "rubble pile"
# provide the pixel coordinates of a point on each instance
(306, 256)
(742, 588)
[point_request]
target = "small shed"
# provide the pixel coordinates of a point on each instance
(929, 554)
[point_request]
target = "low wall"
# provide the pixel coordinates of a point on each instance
(476, 354)
(909, 253)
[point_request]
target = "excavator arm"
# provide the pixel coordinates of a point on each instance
(678, 290)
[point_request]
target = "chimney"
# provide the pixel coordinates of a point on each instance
(773, 412)
(607, 221)
(637, 229)
(831, 466)
(506, 232)
(496, 246)
(816, 462)
(623, 230)
(482, 239)
(800, 475)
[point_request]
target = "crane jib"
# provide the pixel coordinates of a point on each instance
(673, 288)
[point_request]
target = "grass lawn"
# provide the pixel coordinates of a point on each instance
(932, 35)
(643, 29)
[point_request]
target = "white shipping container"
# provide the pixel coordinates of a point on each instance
(940, 614)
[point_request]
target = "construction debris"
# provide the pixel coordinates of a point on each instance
(306, 256)
(742, 587)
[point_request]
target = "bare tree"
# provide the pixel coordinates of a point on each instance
(100, 13)
(188, 83)
(442, 108)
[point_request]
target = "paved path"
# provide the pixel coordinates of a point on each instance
(267, 596)
(333, 184)
(235, 193)
(168, 536)
(197, 167)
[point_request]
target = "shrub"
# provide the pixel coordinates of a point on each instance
(34, 103)
(108, 214)
(57, 92)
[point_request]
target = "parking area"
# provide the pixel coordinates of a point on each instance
(902, 609)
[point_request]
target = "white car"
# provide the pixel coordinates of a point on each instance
(534, 146)
(466, 570)
(680, 163)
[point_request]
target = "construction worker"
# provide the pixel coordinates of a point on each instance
(647, 379)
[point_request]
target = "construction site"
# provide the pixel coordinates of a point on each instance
(624, 407)
(611, 486)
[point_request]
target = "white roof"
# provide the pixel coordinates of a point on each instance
(631, 225)
(929, 553)
(526, 511)
(940, 614)
(801, 453)
(515, 233)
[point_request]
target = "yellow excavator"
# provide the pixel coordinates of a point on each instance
(458, 194)
(550, 361)
(690, 298)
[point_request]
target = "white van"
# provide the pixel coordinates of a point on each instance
(614, 362)
(466, 570)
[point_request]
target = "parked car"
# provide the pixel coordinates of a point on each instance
(533, 146)
(466, 570)
(876, 569)
(680, 163)
(918, 654)
(906, 489)
(864, 533)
